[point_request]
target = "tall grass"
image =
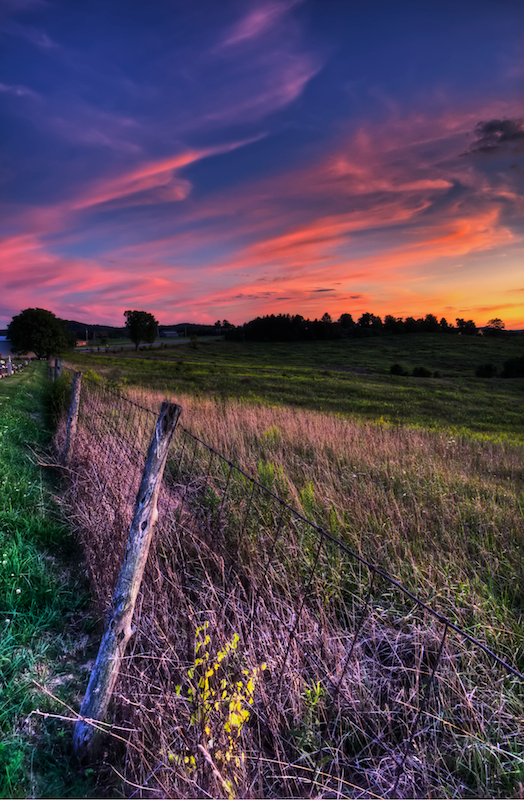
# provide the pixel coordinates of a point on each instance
(443, 513)
(266, 662)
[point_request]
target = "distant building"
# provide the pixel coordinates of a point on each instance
(170, 334)
(81, 342)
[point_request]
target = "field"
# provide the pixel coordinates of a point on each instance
(350, 377)
(431, 491)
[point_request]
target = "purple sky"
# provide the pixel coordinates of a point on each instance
(212, 159)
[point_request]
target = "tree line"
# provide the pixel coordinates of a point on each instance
(289, 328)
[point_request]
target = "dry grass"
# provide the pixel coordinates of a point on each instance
(344, 699)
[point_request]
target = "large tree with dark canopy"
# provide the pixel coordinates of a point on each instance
(142, 327)
(39, 331)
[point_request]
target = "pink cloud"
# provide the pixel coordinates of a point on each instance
(257, 22)
(158, 178)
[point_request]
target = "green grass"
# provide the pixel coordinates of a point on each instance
(43, 601)
(350, 377)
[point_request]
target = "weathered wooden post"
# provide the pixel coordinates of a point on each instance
(9, 366)
(59, 363)
(118, 627)
(72, 420)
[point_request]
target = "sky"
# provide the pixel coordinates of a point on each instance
(213, 160)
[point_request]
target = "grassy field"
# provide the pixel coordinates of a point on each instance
(423, 477)
(443, 513)
(44, 621)
(350, 377)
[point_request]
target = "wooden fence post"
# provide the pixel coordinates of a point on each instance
(72, 420)
(59, 363)
(118, 627)
(9, 366)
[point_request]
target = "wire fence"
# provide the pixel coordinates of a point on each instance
(270, 659)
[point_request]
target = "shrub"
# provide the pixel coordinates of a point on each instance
(486, 370)
(422, 372)
(514, 368)
(398, 369)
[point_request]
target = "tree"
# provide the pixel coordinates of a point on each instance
(495, 327)
(142, 327)
(39, 331)
(368, 320)
(394, 324)
(346, 321)
(411, 325)
(431, 323)
(467, 327)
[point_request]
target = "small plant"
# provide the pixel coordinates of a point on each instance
(116, 383)
(93, 376)
(307, 498)
(220, 696)
(266, 473)
(272, 435)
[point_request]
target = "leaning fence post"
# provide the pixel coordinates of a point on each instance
(118, 627)
(72, 420)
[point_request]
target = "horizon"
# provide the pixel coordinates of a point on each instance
(418, 318)
(230, 161)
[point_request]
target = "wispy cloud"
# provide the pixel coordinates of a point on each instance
(17, 91)
(36, 36)
(260, 20)
(152, 182)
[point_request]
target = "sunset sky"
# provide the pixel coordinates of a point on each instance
(211, 159)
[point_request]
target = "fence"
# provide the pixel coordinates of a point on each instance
(269, 659)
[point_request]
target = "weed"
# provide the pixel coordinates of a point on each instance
(220, 697)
